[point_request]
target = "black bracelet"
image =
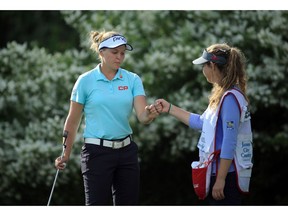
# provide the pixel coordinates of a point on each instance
(169, 108)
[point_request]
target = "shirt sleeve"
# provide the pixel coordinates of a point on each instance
(138, 88)
(195, 121)
(78, 92)
(230, 116)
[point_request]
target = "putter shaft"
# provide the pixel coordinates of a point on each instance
(65, 135)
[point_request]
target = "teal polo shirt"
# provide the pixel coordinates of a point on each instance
(108, 104)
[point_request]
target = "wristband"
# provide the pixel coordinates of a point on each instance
(169, 108)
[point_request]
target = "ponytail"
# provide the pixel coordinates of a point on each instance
(233, 72)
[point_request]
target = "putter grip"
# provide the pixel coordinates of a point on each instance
(65, 134)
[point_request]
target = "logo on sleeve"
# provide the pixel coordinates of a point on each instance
(230, 125)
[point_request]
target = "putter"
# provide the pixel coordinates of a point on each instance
(65, 135)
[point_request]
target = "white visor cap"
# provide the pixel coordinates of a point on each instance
(115, 41)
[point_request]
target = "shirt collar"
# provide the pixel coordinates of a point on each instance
(101, 76)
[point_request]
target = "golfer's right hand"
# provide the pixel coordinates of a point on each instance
(60, 163)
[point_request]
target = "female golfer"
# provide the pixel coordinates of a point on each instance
(107, 95)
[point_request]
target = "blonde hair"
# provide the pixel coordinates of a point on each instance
(233, 72)
(97, 37)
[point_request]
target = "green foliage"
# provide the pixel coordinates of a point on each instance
(35, 87)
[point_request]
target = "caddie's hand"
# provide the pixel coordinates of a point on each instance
(158, 107)
(218, 189)
(164, 104)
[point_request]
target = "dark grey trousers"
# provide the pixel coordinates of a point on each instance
(110, 175)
